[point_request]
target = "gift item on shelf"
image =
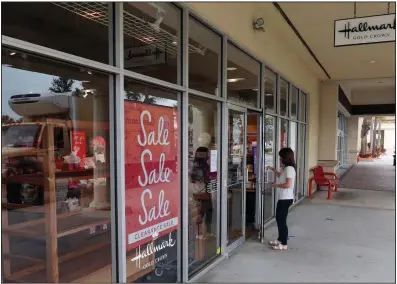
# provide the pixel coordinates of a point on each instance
(101, 194)
(61, 189)
(30, 194)
(87, 163)
(73, 204)
(71, 162)
(98, 146)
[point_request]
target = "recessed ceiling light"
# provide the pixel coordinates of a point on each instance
(231, 68)
(174, 43)
(255, 89)
(269, 95)
(233, 80)
(89, 72)
(13, 53)
(373, 61)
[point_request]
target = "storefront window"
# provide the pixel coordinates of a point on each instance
(56, 171)
(302, 106)
(270, 90)
(78, 28)
(152, 183)
(152, 39)
(293, 144)
(284, 133)
(270, 160)
(301, 161)
(204, 179)
(242, 77)
(205, 48)
(283, 97)
(294, 102)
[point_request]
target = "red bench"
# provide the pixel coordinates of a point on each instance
(321, 179)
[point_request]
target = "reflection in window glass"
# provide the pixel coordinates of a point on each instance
(294, 102)
(270, 160)
(83, 30)
(302, 106)
(242, 77)
(55, 130)
(152, 187)
(284, 133)
(283, 97)
(152, 39)
(301, 161)
(293, 144)
(204, 172)
(204, 58)
(270, 90)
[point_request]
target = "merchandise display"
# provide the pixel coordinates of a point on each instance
(55, 201)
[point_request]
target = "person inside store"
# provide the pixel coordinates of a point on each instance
(285, 192)
(201, 178)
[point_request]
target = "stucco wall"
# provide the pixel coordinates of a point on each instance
(235, 20)
(370, 97)
(328, 121)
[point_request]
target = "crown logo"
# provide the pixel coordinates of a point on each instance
(155, 236)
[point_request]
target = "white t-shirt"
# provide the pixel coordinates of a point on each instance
(286, 193)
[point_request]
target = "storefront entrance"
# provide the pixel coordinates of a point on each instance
(245, 176)
(236, 177)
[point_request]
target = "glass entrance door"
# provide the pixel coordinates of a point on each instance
(237, 176)
(270, 154)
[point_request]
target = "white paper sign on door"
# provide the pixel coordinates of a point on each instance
(213, 161)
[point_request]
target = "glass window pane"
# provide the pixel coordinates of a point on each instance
(284, 134)
(301, 161)
(205, 47)
(302, 106)
(204, 172)
(242, 77)
(270, 90)
(152, 39)
(83, 30)
(57, 175)
(283, 97)
(152, 183)
(294, 102)
(270, 160)
(293, 144)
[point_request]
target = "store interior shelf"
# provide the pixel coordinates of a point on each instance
(51, 224)
(71, 175)
(69, 273)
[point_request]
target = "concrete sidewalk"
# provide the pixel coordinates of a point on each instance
(377, 174)
(329, 242)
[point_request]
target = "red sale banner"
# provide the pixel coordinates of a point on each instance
(79, 144)
(152, 189)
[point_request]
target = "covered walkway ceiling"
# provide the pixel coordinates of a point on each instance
(354, 67)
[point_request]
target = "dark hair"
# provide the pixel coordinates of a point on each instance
(287, 157)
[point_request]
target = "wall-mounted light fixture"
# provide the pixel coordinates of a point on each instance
(258, 24)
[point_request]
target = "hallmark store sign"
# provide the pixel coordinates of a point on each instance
(152, 190)
(366, 30)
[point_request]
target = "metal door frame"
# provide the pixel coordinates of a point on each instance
(264, 173)
(259, 165)
(237, 243)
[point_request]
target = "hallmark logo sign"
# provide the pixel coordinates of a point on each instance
(366, 30)
(144, 56)
(152, 249)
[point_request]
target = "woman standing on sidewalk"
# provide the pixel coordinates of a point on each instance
(285, 194)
